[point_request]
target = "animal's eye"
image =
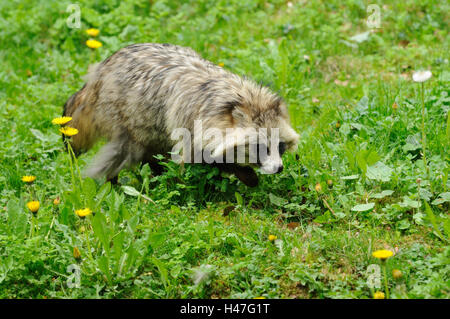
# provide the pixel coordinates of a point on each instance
(282, 148)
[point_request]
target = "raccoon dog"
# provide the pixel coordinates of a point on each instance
(137, 97)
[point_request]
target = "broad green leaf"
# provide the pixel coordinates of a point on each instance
(118, 245)
(448, 127)
(446, 225)
(356, 126)
(103, 265)
(350, 177)
(129, 190)
(325, 218)
(239, 199)
(99, 227)
(132, 223)
(162, 269)
(102, 193)
(63, 217)
(278, 201)
(443, 198)
(432, 220)
(47, 137)
(132, 255)
(363, 207)
(379, 172)
(412, 143)
(408, 202)
(403, 224)
(383, 194)
(156, 239)
(361, 161)
(145, 171)
(17, 218)
(89, 191)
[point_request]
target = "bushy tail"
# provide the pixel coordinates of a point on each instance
(80, 108)
(115, 155)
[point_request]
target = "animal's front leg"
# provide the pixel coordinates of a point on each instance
(245, 174)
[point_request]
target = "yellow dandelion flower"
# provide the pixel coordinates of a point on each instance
(68, 131)
(28, 179)
(382, 254)
(259, 298)
(83, 212)
(92, 32)
(378, 295)
(221, 64)
(61, 120)
(397, 274)
(76, 253)
(93, 44)
(272, 237)
(33, 206)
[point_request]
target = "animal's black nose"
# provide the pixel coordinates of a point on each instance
(280, 168)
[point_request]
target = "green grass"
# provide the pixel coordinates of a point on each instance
(375, 191)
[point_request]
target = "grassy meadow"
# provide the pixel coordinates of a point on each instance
(370, 173)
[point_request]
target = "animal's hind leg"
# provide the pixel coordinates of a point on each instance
(155, 166)
(114, 180)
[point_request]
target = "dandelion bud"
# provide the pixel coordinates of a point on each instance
(76, 253)
(56, 201)
(318, 187)
(397, 274)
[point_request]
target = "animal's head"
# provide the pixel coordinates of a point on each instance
(260, 131)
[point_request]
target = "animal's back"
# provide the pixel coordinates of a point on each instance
(138, 90)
